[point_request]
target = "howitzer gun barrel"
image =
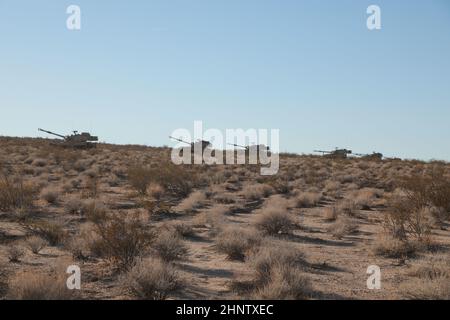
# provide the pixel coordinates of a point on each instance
(179, 140)
(52, 133)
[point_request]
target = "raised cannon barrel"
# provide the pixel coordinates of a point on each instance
(52, 133)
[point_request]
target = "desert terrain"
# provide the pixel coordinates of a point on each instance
(140, 227)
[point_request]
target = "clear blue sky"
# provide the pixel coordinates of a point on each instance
(140, 69)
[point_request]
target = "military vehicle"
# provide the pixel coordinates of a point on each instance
(335, 154)
(372, 156)
(204, 144)
(76, 140)
(252, 147)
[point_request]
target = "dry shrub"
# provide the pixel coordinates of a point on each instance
(40, 163)
(270, 256)
(151, 279)
(274, 217)
(74, 206)
(390, 247)
(343, 226)
(237, 242)
(214, 219)
(122, 239)
(348, 207)
(169, 246)
(85, 243)
(308, 199)
(279, 274)
(330, 213)
(280, 186)
(332, 188)
(156, 191)
(4, 274)
(50, 195)
(364, 198)
(404, 219)
(426, 289)
(430, 280)
(286, 283)
(174, 179)
(36, 244)
(15, 253)
(39, 286)
(431, 268)
(423, 198)
(16, 194)
(183, 229)
(225, 198)
(94, 211)
(257, 191)
(53, 232)
(432, 189)
(196, 200)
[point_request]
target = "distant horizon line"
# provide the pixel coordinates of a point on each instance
(281, 152)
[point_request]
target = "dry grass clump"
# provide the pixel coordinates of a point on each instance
(36, 244)
(332, 188)
(51, 231)
(348, 207)
(257, 191)
(330, 213)
(390, 247)
(225, 198)
(156, 191)
(4, 274)
(431, 280)
(151, 279)
(40, 163)
(94, 211)
(39, 286)
(174, 179)
(286, 283)
(279, 274)
(15, 194)
(273, 222)
(431, 268)
(74, 206)
(237, 242)
(50, 195)
(122, 239)
(274, 218)
(343, 226)
(169, 246)
(267, 257)
(182, 229)
(15, 253)
(214, 219)
(426, 289)
(196, 200)
(308, 199)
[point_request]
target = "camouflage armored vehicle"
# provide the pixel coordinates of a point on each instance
(335, 154)
(372, 156)
(76, 140)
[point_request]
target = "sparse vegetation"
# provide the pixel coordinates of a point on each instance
(151, 279)
(169, 246)
(137, 225)
(39, 286)
(123, 240)
(16, 194)
(236, 243)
